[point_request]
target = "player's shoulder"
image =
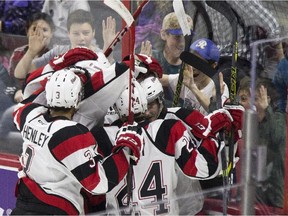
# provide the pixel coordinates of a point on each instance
(71, 127)
(164, 126)
(180, 112)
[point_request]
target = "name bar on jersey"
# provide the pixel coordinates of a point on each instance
(34, 135)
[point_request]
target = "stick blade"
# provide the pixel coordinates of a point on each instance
(120, 8)
(181, 16)
(198, 63)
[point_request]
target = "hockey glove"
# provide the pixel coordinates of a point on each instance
(212, 124)
(71, 57)
(237, 112)
(145, 65)
(130, 136)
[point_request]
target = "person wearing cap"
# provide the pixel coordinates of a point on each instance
(173, 45)
(198, 88)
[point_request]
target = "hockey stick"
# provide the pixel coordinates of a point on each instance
(198, 63)
(225, 9)
(131, 107)
(182, 19)
(202, 10)
(124, 30)
(207, 69)
(120, 8)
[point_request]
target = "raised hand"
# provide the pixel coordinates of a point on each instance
(188, 79)
(37, 40)
(146, 48)
(108, 31)
(261, 99)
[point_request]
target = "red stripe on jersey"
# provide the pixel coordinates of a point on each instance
(50, 199)
(72, 145)
(97, 81)
(35, 74)
(176, 133)
(210, 147)
(210, 156)
(93, 178)
(190, 168)
(122, 164)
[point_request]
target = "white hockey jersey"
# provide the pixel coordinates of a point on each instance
(101, 91)
(169, 150)
(59, 158)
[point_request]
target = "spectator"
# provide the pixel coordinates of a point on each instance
(255, 23)
(59, 12)
(198, 88)
(39, 30)
(280, 81)
(81, 30)
(149, 22)
(272, 135)
(173, 44)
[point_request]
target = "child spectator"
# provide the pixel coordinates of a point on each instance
(39, 30)
(81, 28)
(59, 12)
(198, 88)
(272, 135)
(169, 55)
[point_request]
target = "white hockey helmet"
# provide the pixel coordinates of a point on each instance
(63, 89)
(153, 89)
(140, 102)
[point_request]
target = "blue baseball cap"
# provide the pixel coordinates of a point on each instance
(177, 31)
(206, 49)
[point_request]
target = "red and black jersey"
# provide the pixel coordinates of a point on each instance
(59, 159)
(169, 149)
(98, 85)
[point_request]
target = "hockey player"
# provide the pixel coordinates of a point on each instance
(169, 150)
(144, 66)
(201, 126)
(60, 157)
(98, 78)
